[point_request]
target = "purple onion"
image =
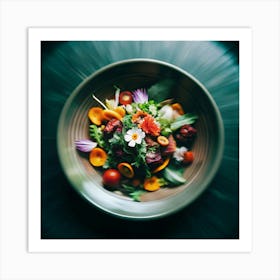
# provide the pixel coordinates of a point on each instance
(154, 158)
(140, 95)
(85, 145)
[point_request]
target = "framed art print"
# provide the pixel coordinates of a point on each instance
(77, 70)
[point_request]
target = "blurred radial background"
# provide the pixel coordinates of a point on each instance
(215, 214)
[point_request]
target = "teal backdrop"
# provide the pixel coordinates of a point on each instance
(64, 214)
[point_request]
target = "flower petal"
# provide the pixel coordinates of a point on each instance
(143, 134)
(85, 145)
(127, 137)
(131, 143)
(138, 140)
(140, 96)
(130, 131)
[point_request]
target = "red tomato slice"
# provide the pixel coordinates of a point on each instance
(188, 157)
(125, 98)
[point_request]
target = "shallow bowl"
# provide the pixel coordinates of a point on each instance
(131, 74)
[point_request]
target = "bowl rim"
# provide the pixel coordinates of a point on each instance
(180, 203)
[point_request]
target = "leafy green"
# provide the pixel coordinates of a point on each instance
(110, 162)
(97, 135)
(161, 90)
(140, 154)
(136, 156)
(117, 143)
(127, 121)
(149, 107)
(135, 194)
(117, 139)
(165, 126)
(174, 173)
(173, 176)
(183, 120)
(139, 158)
(163, 182)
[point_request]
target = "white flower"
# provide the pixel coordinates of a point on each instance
(179, 153)
(134, 136)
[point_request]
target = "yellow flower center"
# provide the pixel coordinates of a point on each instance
(134, 136)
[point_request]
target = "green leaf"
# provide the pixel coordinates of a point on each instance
(173, 177)
(117, 139)
(134, 193)
(127, 121)
(96, 134)
(183, 120)
(165, 127)
(149, 107)
(161, 90)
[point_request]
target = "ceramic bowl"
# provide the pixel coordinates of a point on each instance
(130, 74)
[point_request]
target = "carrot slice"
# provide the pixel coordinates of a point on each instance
(110, 114)
(95, 115)
(126, 169)
(97, 157)
(162, 166)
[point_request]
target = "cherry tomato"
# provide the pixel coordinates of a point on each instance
(111, 178)
(125, 98)
(188, 157)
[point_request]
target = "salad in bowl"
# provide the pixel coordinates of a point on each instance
(140, 138)
(139, 141)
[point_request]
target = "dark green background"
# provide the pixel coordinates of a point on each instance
(64, 214)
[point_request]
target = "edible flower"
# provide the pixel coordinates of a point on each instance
(134, 136)
(140, 95)
(153, 183)
(139, 116)
(150, 126)
(179, 153)
(85, 145)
